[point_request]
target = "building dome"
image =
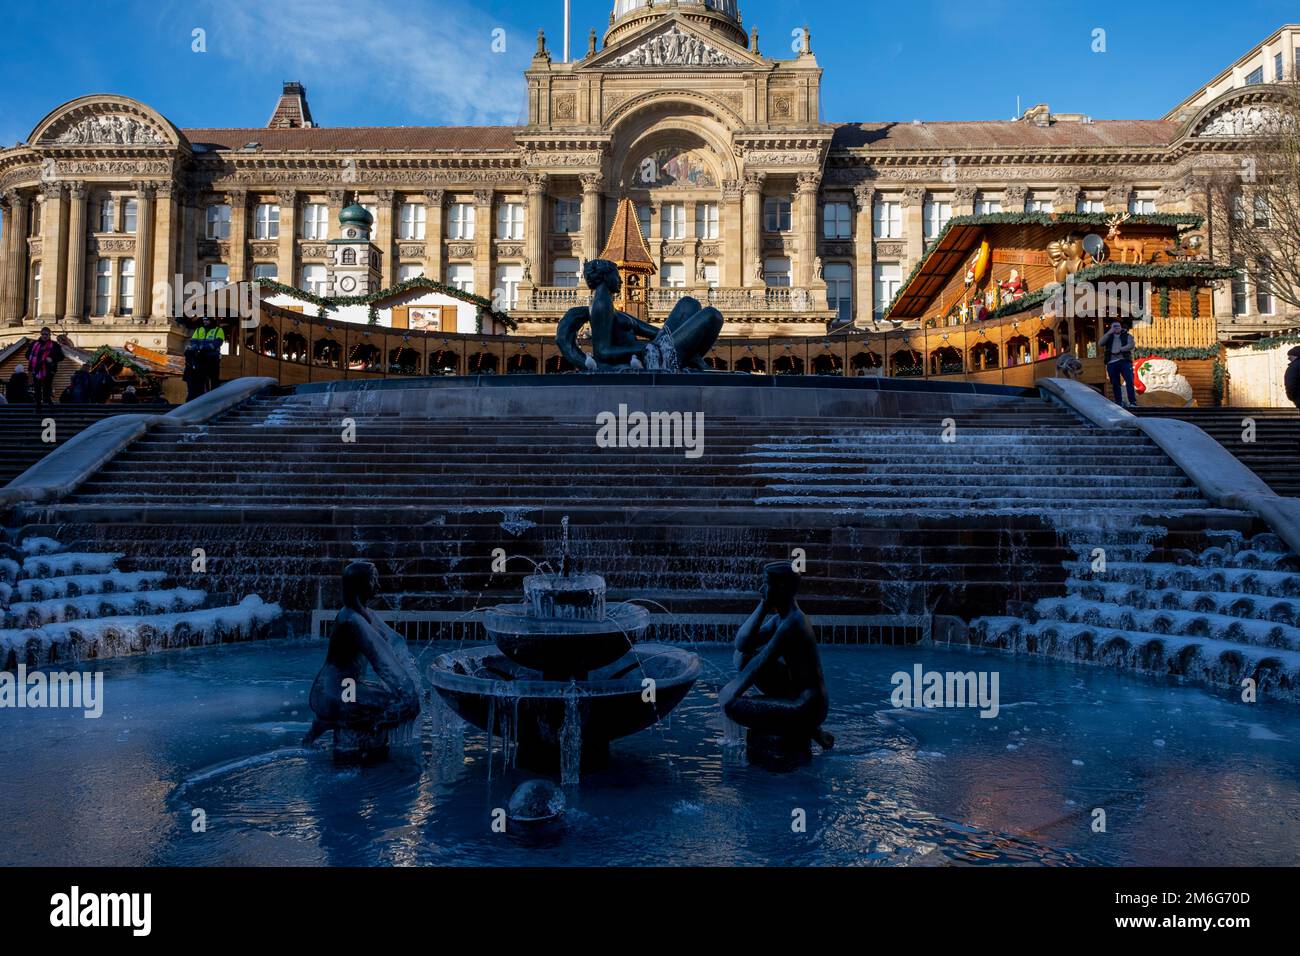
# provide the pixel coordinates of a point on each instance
(356, 215)
(720, 16)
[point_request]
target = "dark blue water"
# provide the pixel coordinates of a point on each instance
(1184, 776)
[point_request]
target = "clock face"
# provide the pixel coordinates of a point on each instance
(347, 283)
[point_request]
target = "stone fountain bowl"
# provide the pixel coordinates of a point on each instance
(568, 648)
(495, 693)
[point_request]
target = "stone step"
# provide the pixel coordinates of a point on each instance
(1160, 577)
(1234, 604)
(25, 614)
(1176, 621)
(75, 585)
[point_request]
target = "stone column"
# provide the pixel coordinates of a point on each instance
(335, 200)
(484, 228)
(164, 252)
(591, 231)
(76, 294)
(1013, 199)
(54, 235)
(731, 268)
(383, 237)
(192, 229)
(752, 255)
(238, 199)
(535, 267)
(806, 199)
(864, 196)
(144, 250)
(913, 226)
(963, 201)
(433, 230)
(1117, 198)
(17, 210)
(286, 263)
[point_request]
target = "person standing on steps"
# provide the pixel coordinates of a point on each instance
(43, 358)
(207, 341)
(1116, 347)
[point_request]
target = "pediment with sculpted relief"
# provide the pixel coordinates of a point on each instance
(672, 45)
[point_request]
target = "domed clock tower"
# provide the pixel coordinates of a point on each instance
(354, 259)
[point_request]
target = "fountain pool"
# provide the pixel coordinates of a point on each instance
(1185, 776)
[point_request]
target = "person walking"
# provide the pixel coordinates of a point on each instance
(43, 358)
(19, 391)
(1116, 347)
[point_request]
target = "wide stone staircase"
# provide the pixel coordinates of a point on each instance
(59, 605)
(894, 519)
(23, 432)
(1265, 440)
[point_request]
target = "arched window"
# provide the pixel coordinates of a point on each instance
(328, 352)
(403, 361)
(983, 357)
(946, 360)
(349, 257)
(906, 363)
(867, 363)
(787, 365)
(748, 363)
(482, 363)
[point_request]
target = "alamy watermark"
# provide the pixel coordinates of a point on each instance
(924, 689)
(1087, 300)
(71, 690)
(626, 429)
(193, 300)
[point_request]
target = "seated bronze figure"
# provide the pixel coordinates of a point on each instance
(621, 341)
(776, 655)
(361, 710)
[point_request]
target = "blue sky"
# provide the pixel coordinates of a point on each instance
(430, 62)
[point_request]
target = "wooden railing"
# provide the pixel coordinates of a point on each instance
(296, 348)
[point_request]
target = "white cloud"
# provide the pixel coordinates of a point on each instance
(434, 59)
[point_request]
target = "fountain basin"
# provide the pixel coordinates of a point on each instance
(568, 648)
(494, 693)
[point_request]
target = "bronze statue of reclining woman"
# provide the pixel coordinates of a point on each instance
(620, 340)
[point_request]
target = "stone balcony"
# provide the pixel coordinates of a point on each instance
(758, 301)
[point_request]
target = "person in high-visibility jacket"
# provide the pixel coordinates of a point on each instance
(206, 343)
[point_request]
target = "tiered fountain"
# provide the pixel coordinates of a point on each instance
(565, 675)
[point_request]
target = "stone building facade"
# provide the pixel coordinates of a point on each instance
(748, 199)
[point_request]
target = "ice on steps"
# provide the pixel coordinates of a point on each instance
(64, 585)
(70, 562)
(35, 613)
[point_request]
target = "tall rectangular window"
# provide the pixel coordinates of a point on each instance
(837, 220)
(506, 293)
(35, 307)
(711, 275)
(216, 276)
(266, 270)
(643, 220)
(126, 288)
(674, 220)
(674, 275)
(887, 222)
(1263, 216)
(839, 289)
(568, 216)
(313, 279)
(564, 273)
(315, 221)
(107, 220)
(218, 221)
(1277, 68)
(411, 225)
(1255, 76)
(130, 215)
(776, 214)
(460, 275)
(510, 220)
(461, 222)
(936, 217)
(103, 285)
(266, 221)
(776, 272)
(1240, 291)
(408, 271)
(887, 277)
(1264, 303)
(706, 220)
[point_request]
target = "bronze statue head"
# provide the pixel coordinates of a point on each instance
(602, 272)
(782, 583)
(360, 580)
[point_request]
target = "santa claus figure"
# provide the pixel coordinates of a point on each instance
(1013, 289)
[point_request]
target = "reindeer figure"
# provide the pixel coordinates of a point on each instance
(1124, 246)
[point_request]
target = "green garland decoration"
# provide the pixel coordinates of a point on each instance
(1220, 383)
(1164, 300)
(415, 282)
(1184, 353)
(1195, 291)
(1272, 341)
